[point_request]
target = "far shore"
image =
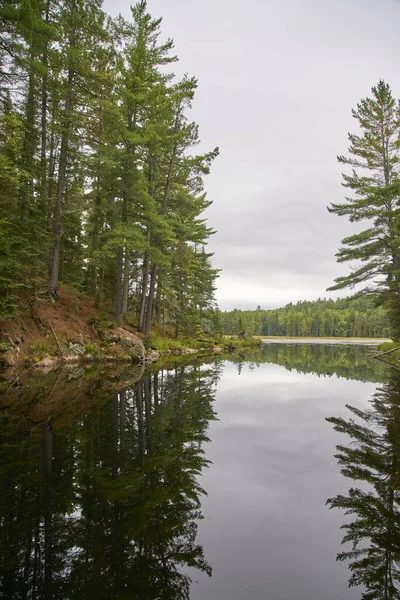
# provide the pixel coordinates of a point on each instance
(322, 340)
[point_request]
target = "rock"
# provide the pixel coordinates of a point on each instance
(46, 362)
(132, 345)
(111, 336)
(76, 349)
(152, 356)
(217, 350)
(189, 351)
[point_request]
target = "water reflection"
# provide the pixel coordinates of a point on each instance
(348, 361)
(372, 459)
(104, 504)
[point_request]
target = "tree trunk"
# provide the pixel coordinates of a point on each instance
(125, 292)
(95, 237)
(29, 142)
(145, 283)
(61, 184)
(118, 296)
(157, 301)
(43, 145)
(120, 254)
(149, 312)
(154, 269)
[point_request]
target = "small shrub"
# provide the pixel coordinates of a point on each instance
(4, 347)
(40, 350)
(93, 350)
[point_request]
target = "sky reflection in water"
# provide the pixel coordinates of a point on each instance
(107, 502)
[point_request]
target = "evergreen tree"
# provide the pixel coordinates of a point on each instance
(99, 188)
(374, 199)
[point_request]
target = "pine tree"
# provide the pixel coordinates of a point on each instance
(96, 172)
(375, 200)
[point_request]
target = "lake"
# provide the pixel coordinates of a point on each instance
(206, 480)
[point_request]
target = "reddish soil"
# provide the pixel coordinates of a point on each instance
(47, 328)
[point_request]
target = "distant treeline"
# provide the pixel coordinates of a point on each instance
(332, 318)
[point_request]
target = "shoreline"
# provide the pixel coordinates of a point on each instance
(322, 340)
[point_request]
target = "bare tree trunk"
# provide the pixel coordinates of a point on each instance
(43, 145)
(145, 283)
(95, 236)
(29, 142)
(101, 291)
(118, 298)
(157, 301)
(125, 292)
(61, 184)
(50, 188)
(149, 312)
(120, 253)
(154, 269)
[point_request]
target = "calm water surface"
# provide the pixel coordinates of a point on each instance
(204, 481)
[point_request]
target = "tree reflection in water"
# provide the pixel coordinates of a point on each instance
(107, 507)
(372, 536)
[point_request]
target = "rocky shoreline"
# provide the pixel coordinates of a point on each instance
(72, 331)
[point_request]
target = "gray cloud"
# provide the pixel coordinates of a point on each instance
(277, 81)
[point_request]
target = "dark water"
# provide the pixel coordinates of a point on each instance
(203, 481)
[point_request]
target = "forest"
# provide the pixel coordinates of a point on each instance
(346, 317)
(101, 188)
(100, 185)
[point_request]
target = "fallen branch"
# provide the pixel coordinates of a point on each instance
(388, 352)
(55, 337)
(379, 357)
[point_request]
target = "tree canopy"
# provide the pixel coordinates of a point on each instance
(100, 183)
(374, 190)
(346, 317)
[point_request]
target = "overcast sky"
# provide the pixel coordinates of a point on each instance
(277, 82)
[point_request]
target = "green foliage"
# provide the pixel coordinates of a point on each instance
(98, 180)
(241, 342)
(39, 350)
(160, 342)
(374, 200)
(91, 349)
(347, 317)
